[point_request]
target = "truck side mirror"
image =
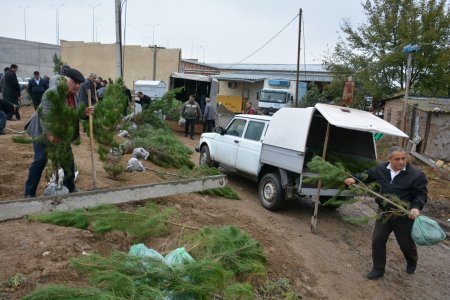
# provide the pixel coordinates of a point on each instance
(219, 130)
(257, 95)
(292, 99)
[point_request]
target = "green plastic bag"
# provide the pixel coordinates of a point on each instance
(427, 232)
(178, 257)
(140, 250)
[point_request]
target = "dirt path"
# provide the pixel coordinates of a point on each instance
(330, 264)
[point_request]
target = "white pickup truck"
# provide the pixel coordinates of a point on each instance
(274, 151)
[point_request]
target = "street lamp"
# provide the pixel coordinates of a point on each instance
(153, 25)
(168, 41)
(192, 46)
(57, 21)
(96, 31)
(203, 53)
(93, 18)
(24, 19)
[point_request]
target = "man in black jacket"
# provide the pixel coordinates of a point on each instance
(144, 100)
(11, 89)
(396, 177)
(6, 108)
(36, 88)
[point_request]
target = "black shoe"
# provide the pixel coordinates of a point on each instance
(185, 135)
(192, 138)
(410, 269)
(374, 274)
(2, 131)
(29, 196)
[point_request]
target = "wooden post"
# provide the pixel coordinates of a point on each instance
(91, 137)
(319, 185)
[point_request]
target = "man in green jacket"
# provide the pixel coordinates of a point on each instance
(190, 111)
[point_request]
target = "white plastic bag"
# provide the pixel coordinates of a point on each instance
(135, 165)
(181, 121)
(54, 189)
(140, 153)
(123, 133)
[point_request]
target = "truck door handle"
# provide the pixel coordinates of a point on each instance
(236, 141)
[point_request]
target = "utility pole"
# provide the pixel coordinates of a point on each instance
(24, 20)
(119, 71)
(409, 50)
(57, 21)
(93, 19)
(155, 51)
(297, 81)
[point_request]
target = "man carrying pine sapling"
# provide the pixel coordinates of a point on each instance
(396, 177)
(42, 137)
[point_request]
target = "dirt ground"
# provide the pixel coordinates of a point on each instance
(330, 264)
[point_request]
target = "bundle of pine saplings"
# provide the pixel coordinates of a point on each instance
(220, 255)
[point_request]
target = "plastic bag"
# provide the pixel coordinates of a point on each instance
(135, 165)
(140, 153)
(123, 133)
(54, 189)
(178, 257)
(427, 232)
(182, 121)
(140, 250)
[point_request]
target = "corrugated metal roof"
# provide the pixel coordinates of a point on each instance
(440, 105)
(191, 76)
(241, 77)
(271, 67)
(260, 77)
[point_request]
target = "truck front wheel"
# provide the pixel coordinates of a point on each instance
(205, 158)
(271, 193)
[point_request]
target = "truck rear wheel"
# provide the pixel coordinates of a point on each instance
(271, 193)
(205, 158)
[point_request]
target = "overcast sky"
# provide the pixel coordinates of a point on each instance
(214, 31)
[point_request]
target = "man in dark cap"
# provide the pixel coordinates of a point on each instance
(35, 127)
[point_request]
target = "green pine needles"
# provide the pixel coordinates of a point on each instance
(139, 223)
(333, 176)
(108, 114)
(62, 122)
(233, 248)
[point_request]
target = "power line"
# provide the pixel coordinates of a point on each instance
(265, 44)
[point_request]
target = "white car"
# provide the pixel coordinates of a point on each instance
(237, 146)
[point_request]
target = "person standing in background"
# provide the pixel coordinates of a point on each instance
(89, 84)
(36, 88)
(11, 89)
(209, 116)
(190, 111)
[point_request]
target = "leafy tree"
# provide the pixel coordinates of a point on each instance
(57, 63)
(313, 96)
(373, 52)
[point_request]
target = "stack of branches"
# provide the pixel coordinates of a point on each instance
(164, 148)
(139, 223)
(221, 254)
(334, 175)
(108, 114)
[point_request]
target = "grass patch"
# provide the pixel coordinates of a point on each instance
(22, 140)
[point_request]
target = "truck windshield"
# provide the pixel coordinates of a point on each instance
(274, 97)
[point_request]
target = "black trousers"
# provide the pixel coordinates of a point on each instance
(208, 125)
(36, 100)
(402, 226)
(14, 101)
(189, 127)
